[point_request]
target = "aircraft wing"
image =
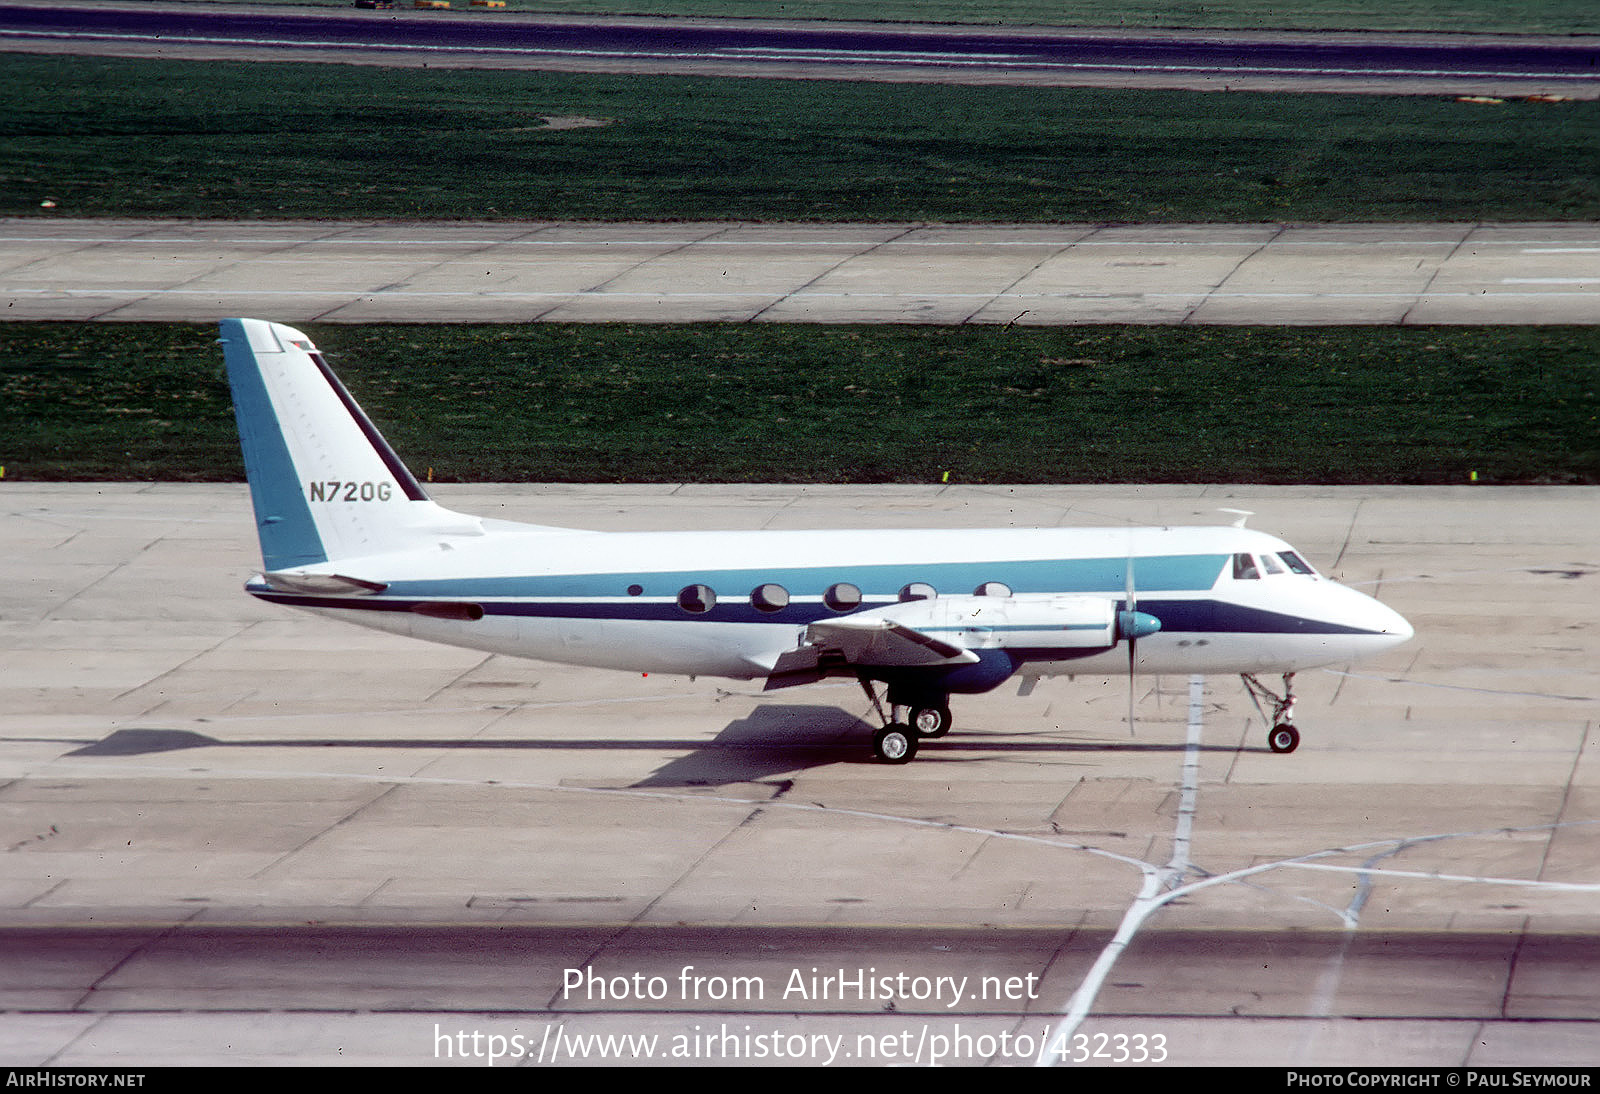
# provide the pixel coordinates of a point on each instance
(862, 641)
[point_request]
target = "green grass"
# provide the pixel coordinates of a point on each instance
(755, 402)
(104, 137)
(1525, 16)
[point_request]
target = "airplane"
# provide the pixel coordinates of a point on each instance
(346, 531)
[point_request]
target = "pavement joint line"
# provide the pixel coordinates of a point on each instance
(1006, 293)
(1555, 696)
(1566, 794)
(1434, 276)
(671, 248)
(801, 291)
(1215, 291)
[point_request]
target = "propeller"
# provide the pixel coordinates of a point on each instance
(1127, 624)
(1132, 625)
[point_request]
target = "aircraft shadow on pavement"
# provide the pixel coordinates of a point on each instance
(772, 742)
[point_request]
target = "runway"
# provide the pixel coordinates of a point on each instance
(129, 270)
(1041, 56)
(236, 835)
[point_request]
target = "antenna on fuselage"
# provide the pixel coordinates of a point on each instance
(1240, 515)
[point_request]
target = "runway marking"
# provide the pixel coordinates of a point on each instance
(878, 55)
(1149, 898)
(858, 58)
(1367, 871)
(1179, 864)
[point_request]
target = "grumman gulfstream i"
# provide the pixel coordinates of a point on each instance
(915, 616)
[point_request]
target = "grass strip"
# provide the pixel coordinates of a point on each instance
(906, 404)
(117, 137)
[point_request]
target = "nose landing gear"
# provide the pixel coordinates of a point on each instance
(1282, 736)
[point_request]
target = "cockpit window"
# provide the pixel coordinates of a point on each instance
(1295, 563)
(1244, 568)
(1271, 564)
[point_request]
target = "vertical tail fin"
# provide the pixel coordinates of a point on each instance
(324, 482)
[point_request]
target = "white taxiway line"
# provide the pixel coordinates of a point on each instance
(1149, 899)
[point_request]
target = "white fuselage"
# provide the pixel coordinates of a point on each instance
(732, 603)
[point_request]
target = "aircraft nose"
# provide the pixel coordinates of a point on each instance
(1390, 623)
(1377, 626)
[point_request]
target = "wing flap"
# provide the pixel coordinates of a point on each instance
(862, 642)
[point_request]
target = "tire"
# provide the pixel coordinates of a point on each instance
(931, 721)
(1283, 738)
(894, 744)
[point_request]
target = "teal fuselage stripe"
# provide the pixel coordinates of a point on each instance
(283, 518)
(1155, 573)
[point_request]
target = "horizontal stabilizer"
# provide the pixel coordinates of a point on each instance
(289, 581)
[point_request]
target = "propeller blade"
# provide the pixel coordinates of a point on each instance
(1133, 636)
(1132, 625)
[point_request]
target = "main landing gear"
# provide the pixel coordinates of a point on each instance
(915, 718)
(1282, 737)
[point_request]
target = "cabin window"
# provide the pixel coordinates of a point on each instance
(1295, 563)
(1244, 568)
(635, 590)
(918, 590)
(697, 599)
(842, 597)
(992, 588)
(769, 598)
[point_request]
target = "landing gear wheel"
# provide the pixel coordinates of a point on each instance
(895, 744)
(931, 721)
(1282, 737)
